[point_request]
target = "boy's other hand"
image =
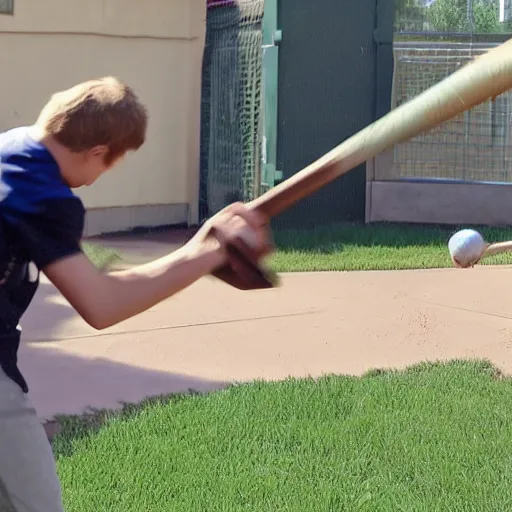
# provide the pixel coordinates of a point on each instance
(239, 227)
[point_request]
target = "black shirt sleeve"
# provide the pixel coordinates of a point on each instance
(51, 230)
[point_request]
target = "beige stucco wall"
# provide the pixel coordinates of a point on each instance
(156, 46)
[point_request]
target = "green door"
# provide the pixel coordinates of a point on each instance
(334, 59)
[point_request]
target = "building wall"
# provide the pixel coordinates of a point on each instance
(156, 46)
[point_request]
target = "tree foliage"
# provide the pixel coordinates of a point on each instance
(410, 15)
(486, 16)
(479, 16)
(454, 16)
(448, 16)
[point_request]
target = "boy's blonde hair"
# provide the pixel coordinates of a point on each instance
(93, 113)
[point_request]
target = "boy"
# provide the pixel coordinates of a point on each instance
(80, 134)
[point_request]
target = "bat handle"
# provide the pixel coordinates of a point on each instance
(294, 189)
(269, 206)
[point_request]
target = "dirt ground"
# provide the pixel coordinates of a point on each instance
(212, 335)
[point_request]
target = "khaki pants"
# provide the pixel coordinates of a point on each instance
(28, 477)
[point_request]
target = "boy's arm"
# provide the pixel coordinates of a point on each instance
(106, 299)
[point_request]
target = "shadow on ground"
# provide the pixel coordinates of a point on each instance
(63, 384)
(48, 314)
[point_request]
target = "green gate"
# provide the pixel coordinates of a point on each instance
(327, 73)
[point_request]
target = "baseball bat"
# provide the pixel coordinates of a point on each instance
(484, 78)
(497, 248)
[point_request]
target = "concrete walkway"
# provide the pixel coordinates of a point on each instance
(211, 335)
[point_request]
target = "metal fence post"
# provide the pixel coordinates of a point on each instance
(272, 37)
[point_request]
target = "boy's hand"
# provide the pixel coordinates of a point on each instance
(237, 226)
(243, 239)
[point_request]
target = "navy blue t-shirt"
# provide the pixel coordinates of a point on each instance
(41, 221)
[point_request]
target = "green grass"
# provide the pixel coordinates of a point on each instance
(348, 247)
(99, 255)
(432, 438)
(372, 247)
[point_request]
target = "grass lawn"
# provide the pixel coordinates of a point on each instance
(372, 247)
(433, 437)
(99, 255)
(347, 247)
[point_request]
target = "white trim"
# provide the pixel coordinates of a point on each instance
(441, 203)
(99, 221)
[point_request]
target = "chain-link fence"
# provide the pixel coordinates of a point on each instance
(474, 146)
(230, 130)
(6, 6)
(434, 38)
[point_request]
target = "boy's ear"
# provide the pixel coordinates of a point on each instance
(98, 151)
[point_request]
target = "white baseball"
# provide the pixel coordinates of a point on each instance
(466, 247)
